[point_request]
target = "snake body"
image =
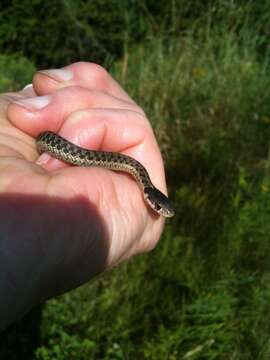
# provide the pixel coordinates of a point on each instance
(64, 150)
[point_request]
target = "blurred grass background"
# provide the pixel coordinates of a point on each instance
(200, 69)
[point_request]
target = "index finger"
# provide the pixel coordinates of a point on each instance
(88, 75)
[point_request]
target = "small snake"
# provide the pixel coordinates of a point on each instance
(64, 150)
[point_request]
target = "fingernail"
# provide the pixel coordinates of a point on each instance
(27, 86)
(43, 159)
(35, 103)
(58, 74)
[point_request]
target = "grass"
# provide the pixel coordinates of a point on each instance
(16, 72)
(204, 292)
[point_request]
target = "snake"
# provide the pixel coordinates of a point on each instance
(61, 149)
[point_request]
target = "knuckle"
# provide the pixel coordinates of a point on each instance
(149, 246)
(99, 75)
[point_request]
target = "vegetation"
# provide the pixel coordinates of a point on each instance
(202, 76)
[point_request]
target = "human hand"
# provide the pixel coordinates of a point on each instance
(61, 225)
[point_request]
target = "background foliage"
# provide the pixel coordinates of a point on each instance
(201, 71)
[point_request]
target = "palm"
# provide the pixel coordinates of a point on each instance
(68, 223)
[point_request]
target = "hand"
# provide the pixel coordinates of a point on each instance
(61, 225)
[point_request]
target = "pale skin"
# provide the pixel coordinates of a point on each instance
(62, 225)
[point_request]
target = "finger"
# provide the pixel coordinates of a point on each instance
(89, 75)
(13, 142)
(112, 130)
(28, 91)
(33, 115)
(9, 97)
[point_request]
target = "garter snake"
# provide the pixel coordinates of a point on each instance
(64, 150)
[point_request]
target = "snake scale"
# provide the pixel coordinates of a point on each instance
(64, 150)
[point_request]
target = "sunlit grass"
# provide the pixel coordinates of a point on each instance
(203, 292)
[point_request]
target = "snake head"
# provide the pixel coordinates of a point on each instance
(159, 202)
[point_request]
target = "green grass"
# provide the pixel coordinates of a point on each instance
(16, 72)
(204, 292)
